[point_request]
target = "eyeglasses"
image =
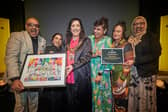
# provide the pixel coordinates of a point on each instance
(33, 25)
(140, 23)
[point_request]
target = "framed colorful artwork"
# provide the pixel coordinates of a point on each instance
(44, 70)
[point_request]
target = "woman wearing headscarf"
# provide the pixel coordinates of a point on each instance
(142, 94)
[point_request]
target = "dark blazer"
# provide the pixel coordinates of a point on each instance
(82, 58)
(79, 94)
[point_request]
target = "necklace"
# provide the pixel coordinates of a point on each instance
(118, 44)
(72, 50)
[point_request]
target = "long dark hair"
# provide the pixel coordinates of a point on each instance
(123, 25)
(69, 33)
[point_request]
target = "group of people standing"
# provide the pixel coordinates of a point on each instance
(90, 85)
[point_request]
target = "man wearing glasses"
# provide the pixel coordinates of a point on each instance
(19, 45)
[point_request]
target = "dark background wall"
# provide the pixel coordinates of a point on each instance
(14, 11)
(54, 15)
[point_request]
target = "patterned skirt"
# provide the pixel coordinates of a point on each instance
(142, 93)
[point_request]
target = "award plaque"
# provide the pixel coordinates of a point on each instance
(112, 56)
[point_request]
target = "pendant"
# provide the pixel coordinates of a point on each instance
(71, 57)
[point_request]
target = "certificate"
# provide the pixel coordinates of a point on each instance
(112, 56)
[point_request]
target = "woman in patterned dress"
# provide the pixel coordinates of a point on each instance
(121, 72)
(100, 74)
(147, 49)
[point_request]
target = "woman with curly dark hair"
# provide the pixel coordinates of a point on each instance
(100, 73)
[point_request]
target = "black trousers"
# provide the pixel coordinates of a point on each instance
(52, 100)
(79, 98)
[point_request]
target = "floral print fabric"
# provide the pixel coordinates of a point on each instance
(101, 92)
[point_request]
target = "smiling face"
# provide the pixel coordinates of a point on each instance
(75, 28)
(32, 27)
(139, 26)
(98, 31)
(118, 33)
(57, 41)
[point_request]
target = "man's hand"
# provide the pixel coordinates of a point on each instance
(17, 85)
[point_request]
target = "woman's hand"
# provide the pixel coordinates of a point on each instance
(128, 63)
(98, 78)
(69, 69)
(97, 53)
